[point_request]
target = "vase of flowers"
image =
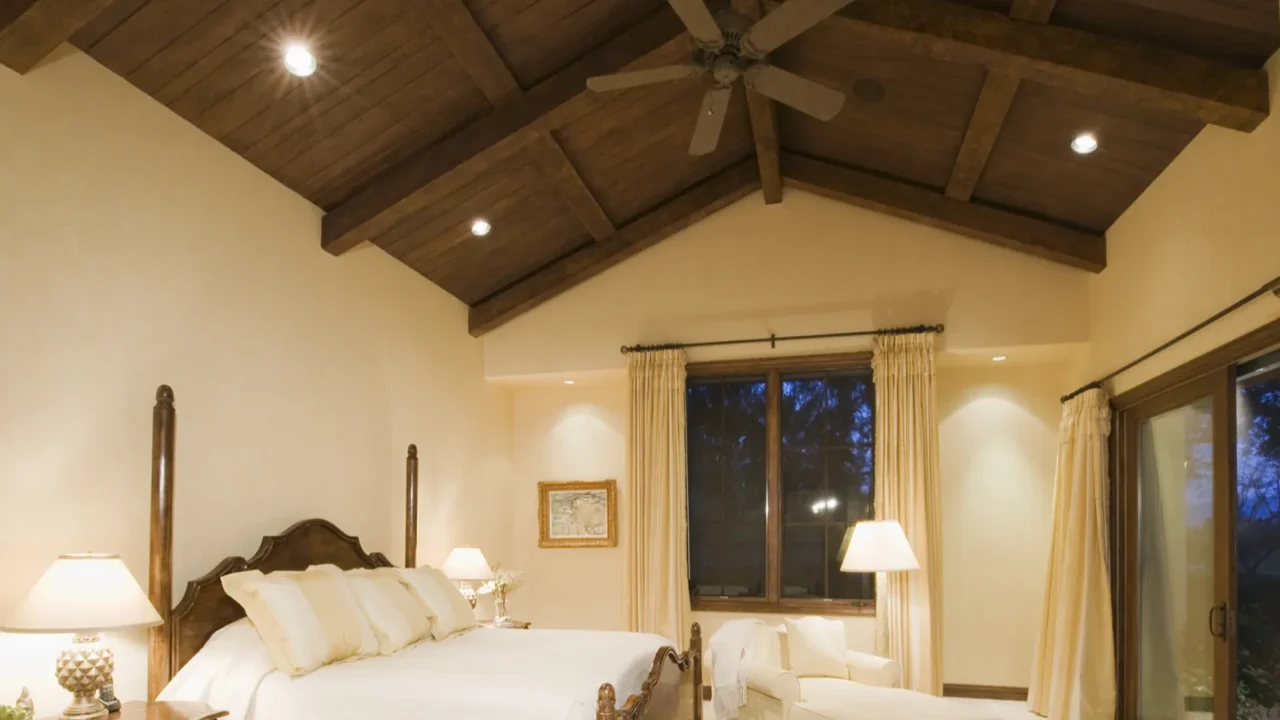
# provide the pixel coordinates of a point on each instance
(505, 582)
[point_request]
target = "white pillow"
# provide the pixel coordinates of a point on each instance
(397, 618)
(368, 640)
(816, 647)
(441, 598)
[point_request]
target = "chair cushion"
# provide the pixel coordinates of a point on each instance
(832, 699)
(817, 647)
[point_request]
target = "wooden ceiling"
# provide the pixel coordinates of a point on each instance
(426, 114)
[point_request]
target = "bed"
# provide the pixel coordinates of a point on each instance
(205, 650)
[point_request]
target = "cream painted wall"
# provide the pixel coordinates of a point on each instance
(135, 250)
(998, 438)
(1205, 234)
(807, 265)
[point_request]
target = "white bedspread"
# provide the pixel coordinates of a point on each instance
(485, 674)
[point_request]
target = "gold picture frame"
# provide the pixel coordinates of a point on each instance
(569, 514)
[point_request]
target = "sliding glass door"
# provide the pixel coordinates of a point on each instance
(1177, 528)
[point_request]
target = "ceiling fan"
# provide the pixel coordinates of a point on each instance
(729, 46)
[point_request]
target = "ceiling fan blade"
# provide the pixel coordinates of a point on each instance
(621, 81)
(800, 93)
(706, 134)
(787, 21)
(700, 22)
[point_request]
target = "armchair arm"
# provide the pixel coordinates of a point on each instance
(873, 670)
(772, 681)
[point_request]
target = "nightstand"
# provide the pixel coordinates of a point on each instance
(138, 710)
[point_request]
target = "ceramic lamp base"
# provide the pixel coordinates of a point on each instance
(83, 669)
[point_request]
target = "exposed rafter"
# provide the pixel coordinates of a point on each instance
(550, 157)
(998, 227)
(1153, 77)
(764, 125)
(998, 91)
(676, 214)
(31, 29)
(473, 50)
(551, 104)
(1032, 10)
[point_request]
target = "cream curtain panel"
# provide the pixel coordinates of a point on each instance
(909, 604)
(657, 558)
(1073, 671)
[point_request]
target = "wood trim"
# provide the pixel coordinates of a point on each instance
(411, 508)
(1033, 10)
(764, 125)
(1002, 228)
(773, 486)
(762, 606)
(28, 35)
(160, 572)
(998, 92)
(555, 164)
(788, 364)
(1146, 75)
(985, 692)
(645, 231)
(473, 50)
(1253, 343)
(403, 190)
(636, 707)
(1224, 530)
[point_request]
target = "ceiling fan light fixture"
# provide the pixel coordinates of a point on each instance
(1084, 143)
(480, 227)
(298, 60)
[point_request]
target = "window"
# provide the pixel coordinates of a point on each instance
(781, 466)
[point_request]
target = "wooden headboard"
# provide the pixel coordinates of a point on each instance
(205, 607)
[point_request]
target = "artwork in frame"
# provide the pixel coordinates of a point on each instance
(578, 514)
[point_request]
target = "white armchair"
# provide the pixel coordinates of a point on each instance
(774, 689)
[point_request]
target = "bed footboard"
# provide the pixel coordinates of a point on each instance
(666, 693)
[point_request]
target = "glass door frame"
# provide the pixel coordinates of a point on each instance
(1220, 385)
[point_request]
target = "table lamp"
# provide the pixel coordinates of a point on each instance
(878, 546)
(466, 565)
(84, 594)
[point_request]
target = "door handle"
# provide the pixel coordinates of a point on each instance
(1218, 631)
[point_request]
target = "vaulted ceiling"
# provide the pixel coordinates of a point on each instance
(427, 114)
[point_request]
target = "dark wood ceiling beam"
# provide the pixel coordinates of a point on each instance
(998, 91)
(553, 103)
(764, 125)
(1032, 10)
(474, 51)
(1153, 77)
(31, 29)
(992, 225)
(674, 215)
(553, 162)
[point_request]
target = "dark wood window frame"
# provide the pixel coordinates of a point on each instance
(772, 369)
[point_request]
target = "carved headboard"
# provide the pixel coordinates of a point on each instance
(205, 607)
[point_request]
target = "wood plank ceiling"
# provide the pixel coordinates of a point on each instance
(427, 114)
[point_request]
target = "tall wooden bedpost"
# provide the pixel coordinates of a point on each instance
(695, 656)
(160, 577)
(411, 508)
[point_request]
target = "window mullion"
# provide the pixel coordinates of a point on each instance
(773, 477)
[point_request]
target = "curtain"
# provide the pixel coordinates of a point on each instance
(909, 604)
(1073, 670)
(658, 555)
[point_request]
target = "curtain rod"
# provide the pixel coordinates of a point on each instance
(1271, 287)
(773, 340)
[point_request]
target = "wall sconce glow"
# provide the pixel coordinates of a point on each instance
(480, 227)
(299, 60)
(1084, 143)
(999, 358)
(568, 382)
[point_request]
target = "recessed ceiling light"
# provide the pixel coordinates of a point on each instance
(568, 382)
(299, 60)
(1084, 143)
(480, 227)
(999, 358)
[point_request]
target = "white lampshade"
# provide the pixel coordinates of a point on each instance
(467, 563)
(83, 594)
(878, 546)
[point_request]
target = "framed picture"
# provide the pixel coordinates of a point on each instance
(578, 514)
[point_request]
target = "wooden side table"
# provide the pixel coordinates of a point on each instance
(139, 710)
